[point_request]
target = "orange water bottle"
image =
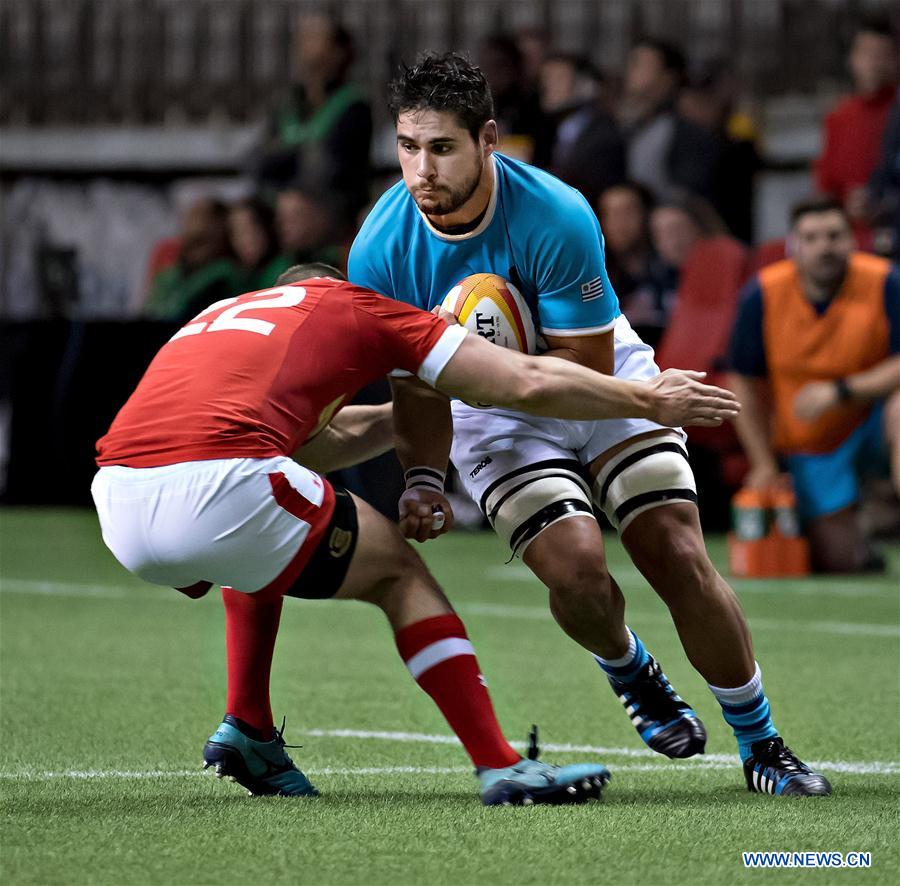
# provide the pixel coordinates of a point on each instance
(752, 550)
(793, 549)
(749, 514)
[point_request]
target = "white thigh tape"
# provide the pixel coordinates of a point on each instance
(651, 473)
(521, 505)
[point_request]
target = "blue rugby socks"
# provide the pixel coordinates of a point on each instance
(626, 668)
(746, 710)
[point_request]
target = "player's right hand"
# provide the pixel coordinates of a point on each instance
(420, 510)
(683, 399)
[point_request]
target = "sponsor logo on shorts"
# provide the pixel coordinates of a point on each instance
(340, 542)
(593, 289)
(480, 467)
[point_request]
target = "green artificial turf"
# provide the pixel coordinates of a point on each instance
(110, 687)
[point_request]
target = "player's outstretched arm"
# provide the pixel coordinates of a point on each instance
(423, 430)
(354, 435)
(549, 386)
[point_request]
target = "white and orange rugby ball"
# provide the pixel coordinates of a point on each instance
(493, 308)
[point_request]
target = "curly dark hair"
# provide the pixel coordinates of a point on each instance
(443, 82)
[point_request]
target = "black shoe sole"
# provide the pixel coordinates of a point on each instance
(684, 739)
(511, 793)
(812, 785)
(230, 764)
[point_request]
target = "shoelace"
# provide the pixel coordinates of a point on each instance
(656, 695)
(778, 754)
(279, 737)
(533, 748)
(534, 751)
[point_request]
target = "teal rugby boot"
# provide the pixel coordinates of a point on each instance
(262, 767)
(530, 781)
(777, 770)
(666, 723)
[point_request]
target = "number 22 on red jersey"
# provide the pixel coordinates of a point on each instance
(230, 317)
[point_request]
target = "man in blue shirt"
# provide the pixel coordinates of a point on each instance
(461, 209)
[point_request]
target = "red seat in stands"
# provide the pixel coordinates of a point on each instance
(699, 331)
(700, 326)
(164, 254)
(767, 254)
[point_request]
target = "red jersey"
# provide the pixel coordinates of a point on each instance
(852, 146)
(256, 376)
(853, 132)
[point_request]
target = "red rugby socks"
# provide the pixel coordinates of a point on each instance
(251, 626)
(442, 661)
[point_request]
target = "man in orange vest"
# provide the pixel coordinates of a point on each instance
(815, 355)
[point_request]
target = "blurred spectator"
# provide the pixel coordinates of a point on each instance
(204, 271)
(322, 133)
(708, 99)
(522, 127)
(665, 151)
(533, 48)
(818, 336)
(640, 278)
(254, 242)
(854, 129)
(884, 188)
(676, 226)
(307, 228)
(588, 151)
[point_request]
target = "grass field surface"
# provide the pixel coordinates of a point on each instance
(110, 688)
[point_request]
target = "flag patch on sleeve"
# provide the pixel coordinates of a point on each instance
(591, 290)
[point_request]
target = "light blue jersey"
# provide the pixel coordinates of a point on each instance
(537, 232)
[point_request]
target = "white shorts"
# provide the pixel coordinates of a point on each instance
(527, 472)
(246, 523)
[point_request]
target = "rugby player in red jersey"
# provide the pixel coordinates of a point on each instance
(197, 487)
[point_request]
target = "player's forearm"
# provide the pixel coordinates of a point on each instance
(482, 372)
(356, 434)
(565, 389)
(422, 425)
(752, 425)
(877, 382)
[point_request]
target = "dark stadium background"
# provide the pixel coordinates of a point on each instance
(115, 113)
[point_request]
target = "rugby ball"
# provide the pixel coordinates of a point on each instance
(493, 308)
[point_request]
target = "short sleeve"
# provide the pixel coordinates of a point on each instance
(747, 352)
(366, 267)
(892, 306)
(575, 296)
(402, 337)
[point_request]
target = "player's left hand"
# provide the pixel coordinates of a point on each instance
(420, 512)
(447, 316)
(815, 398)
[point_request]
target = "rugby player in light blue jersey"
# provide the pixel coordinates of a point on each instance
(462, 208)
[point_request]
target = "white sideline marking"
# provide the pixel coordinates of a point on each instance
(98, 774)
(515, 573)
(89, 774)
(498, 610)
(540, 613)
(709, 762)
(60, 588)
(706, 761)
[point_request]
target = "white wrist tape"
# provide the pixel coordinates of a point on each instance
(429, 478)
